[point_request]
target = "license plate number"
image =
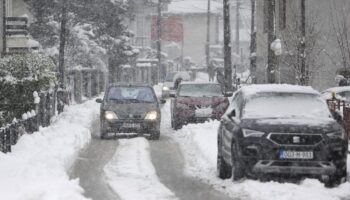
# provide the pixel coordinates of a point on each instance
(131, 125)
(204, 112)
(296, 155)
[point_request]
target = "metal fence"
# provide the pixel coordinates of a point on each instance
(82, 84)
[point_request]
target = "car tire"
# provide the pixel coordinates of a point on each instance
(237, 168)
(103, 131)
(155, 135)
(339, 177)
(175, 124)
(223, 169)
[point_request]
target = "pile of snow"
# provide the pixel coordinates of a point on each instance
(131, 173)
(39, 163)
(199, 145)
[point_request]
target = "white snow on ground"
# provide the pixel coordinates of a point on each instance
(199, 146)
(131, 173)
(37, 168)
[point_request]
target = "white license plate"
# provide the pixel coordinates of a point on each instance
(296, 155)
(131, 125)
(204, 112)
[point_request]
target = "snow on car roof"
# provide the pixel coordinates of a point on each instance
(265, 88)
(197, 83)
(338, 89)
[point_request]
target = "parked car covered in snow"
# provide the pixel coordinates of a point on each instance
(169, 86)
(197, 102)
(339, 92)
(130, 109)
(281, 130)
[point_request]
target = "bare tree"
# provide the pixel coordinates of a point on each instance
(340, 25)
(293, 41)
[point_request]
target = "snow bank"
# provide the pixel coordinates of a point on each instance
(131, 174)
(199, 145)
(38, 166)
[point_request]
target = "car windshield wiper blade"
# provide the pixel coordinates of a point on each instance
(118, 100)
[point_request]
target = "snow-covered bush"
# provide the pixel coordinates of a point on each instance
(20, 76)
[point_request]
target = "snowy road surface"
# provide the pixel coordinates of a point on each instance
(90, 164)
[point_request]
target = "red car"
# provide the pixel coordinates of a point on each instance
(197, 102)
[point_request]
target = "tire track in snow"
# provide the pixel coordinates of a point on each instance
(131, 174)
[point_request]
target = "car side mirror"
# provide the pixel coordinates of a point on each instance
(99, 100)
(162, 101)
(172, 95)
(232, 114)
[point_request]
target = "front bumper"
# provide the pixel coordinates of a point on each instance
(300, 168)
(261, 156)
(141, 126)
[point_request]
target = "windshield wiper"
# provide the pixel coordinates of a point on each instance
(118, 100)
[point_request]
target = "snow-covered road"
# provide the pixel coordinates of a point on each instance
(180, 166)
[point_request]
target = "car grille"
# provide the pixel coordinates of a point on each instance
(131, 116)
(295, 139)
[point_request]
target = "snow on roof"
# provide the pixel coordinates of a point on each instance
(198, 83)
(193, 6)
(282, 88)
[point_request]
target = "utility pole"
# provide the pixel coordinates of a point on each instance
(62, 44)
(159, 32)
(227, 47)
(4, 27)
(303, 68)
(207, 46)
(253, 45)
(237, 26)
(271, 57)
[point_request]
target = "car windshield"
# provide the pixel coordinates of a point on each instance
(285, 105)
(131, 94)
(200, 90)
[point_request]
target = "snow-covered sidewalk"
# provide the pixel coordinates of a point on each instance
(131, 173)
(39, 164)
(199, 145)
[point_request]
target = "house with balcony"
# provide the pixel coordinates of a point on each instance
(14, 35)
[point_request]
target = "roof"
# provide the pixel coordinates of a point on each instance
(193, 7)
(277, 88)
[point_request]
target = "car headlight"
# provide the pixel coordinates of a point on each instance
(151, 115)
(252, 133)
(110, 115)
(337, 134)
(165, 88)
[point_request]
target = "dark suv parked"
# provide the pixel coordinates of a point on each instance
(281, 130)
(130, 109)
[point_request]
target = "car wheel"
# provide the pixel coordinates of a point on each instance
(339, 177)
(237, 169)
(155, 135)
(175, 124)
(223, 169)
(103, 132)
